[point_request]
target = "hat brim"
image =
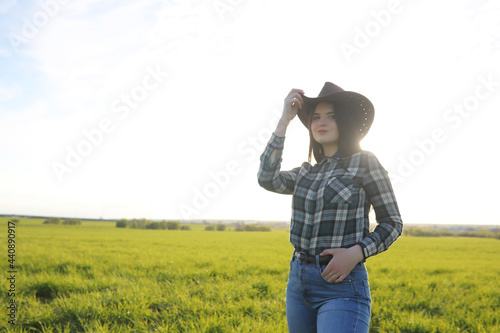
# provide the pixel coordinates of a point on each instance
(358, 106)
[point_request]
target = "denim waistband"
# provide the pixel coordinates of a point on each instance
(318, 260)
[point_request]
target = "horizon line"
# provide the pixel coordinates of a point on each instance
(220, 220)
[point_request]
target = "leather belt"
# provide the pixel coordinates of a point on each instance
(302, 256)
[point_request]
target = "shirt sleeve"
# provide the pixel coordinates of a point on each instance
(269, 176)
(378, 188)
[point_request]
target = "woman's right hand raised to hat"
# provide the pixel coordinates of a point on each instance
(293, 102)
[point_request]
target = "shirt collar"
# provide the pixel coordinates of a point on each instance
(335, 157)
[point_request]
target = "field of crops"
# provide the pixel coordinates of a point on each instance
(98, 278)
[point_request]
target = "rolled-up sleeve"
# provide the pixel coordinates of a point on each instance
(378, 188)
(269, 176)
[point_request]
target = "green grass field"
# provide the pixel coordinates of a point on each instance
(98, 278)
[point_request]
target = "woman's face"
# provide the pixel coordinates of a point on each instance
(323, 125)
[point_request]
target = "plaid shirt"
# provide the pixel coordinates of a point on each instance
(332, 199)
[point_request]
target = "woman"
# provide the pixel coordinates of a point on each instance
(328, 288)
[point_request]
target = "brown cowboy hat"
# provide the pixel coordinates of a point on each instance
(358, 106)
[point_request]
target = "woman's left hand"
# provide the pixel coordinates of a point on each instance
(342, 263)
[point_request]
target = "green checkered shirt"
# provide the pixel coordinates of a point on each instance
(332, 199)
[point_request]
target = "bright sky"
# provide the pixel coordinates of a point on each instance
(161, 109)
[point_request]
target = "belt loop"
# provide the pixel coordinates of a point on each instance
(317, 261)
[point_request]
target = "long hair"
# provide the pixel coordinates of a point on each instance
(349, 138)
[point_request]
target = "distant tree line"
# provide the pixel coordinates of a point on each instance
(148, 224)
(215, 227)
(240, 226)
(252, 227)
(423, 232)
(56, 220)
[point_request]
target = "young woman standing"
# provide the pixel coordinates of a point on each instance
(328, 288)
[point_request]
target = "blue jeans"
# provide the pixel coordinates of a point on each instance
(316, 305)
